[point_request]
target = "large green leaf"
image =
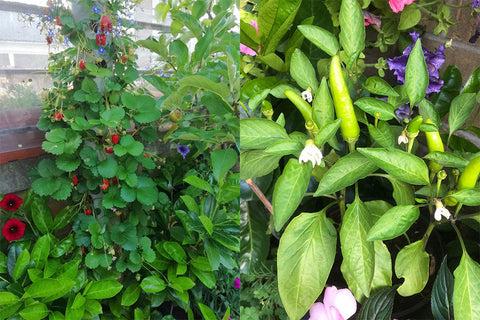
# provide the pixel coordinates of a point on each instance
(382, 134)
(200, 82)
(222, 161)
(323, 110)
(344, 173)
(375, 106)
(289, 191)
(40, 251)
(260, 133)
(447, 159)
(412, 263)
(442, 293)
(358, 253)
(466, 290)
(416, 75)
(379, 86)
(473, 82)
(379, 306)
(468, 197)
(382, 274)
(302, 71)
(461, 110)
(257, 163)
(409, 18)
(102, 289)
(42, 216)
(452, 84)
(34, 311)
(352, 27)
(153, 284)
(21, 264)
(305, 256)
(400, 164)
(45, 287)
(393, 223)
(320, 37)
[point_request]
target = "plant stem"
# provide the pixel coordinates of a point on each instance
(427, 233)
(245, 108)
(457, 210)
(468, 216)
(459, 236)
(341, 202)
(260, 195)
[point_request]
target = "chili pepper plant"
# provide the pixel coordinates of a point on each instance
(151, 216)
(341, 188)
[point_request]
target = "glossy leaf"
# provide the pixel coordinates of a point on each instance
(379, 86)
(427, 110)
(447, 159)
(466, 289)
(393, 223)
(382, 274)
(222, 161)
(412, 263)
(64, 217)
(473, 83)
(442, 293)
(344, 173)
(379, 306)
(382, 134)
(358, 253)
(403, 193)
(461, 110)
(289, 191)
(320, 37)
(409, 18)
(352, 28)
(103, 289)
(416, 75)
(41, 216)
(131, 294)
(44, 287)
(199, 183)
(373, 106)
(400, 164)
(21, 264)
(34, 311)
(323, 110)
(40, 251)
(309, 240)
(207, 313)
(302, 71)
(260, 133)
(153, 284)
(468, 197)
(452, 83)
(327, 132)
(285, 147)
(257, 163)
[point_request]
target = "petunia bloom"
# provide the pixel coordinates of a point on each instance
(337, 305)
(183, 150)
(440, 211)
(370, 18)
(11, 202)
(246, 50)
(398, 5)
(433, 60)
(475, 4)
(236, 285)
(13, 229)
(311, 153)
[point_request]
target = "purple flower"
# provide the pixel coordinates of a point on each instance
(434, 62)
(475, 4)
(403, 112)
(237, 283)
(183, 150)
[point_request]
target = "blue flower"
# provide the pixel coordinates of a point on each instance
(183, 150)
(50, 33)
(67, 39)
(96, 9)
(434, 62)
(101, 50)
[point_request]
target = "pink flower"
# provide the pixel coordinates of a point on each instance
(370, 18)
(398, 5)
(246, 50)
(337, 305)
(236, 285)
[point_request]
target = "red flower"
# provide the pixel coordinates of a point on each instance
(105, 24)
(105, 184)
(101, 39)
(108, 150)
(11, 202)
(115, 138)
(13, 229)
(58, 21)
(81, 64)
(49, 40)
(88, 212)
(75, 180)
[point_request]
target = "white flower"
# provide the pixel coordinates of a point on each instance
(311, 153)
(440, 211)
(402, 138)
(307, 95)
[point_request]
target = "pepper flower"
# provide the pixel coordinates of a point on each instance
(403, 138)
(440, 211)
(434, 62)
(311, 153)
(398, 5)
(337, 305)
(246, 50)
(307, 95)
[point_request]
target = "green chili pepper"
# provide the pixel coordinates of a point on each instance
(343, 103)
(414, 125)
(434, 143)
(302, 106)
(468, 178)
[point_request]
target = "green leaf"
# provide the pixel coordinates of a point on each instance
(222, 161)
(461, 110)
(468, 197)
(112, 117)
(327, 132)
(200, 82)
(442, 293)
(125, 234)
(400, 164)
(45, 287)
(21, 264)
(382, 134)
(273, 61)
(131, 295)
(257, 163)
(102, 289)
(412, 263)
(289, 191)
(108, 168)
(393, 223)
(34, 311)
(473, 83)
(416, 75)
(180, 50)
(358, 253)
(9, 304)
(345, 172)
(175, 250)
(67, 162)
(447, 159)
(309, 240)
(285, 147)
(40, 251)
(402, 192)
(302, 71)
(352, 28)
(258, 133)
(199, 183)
(379, 306)
(41, 216)
(320, 37)
(427, 111)
(64, 217)
(410, 17)
(382, 274)
(153, 284)
(207, 224)
(466, 290)
(323, 110)
(7, 298)
(373, 105)
(379, 86)
(207, 313)
(452, 84)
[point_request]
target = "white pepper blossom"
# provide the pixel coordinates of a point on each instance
(403, 138)
(440, 211)
(311, 153)
(307, 95)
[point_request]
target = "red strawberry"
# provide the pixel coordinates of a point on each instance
(88, 212)
(75, 180)
(105, 184)
(49, 40)
(108, 149)
(58, 21)
(81, 64)
(124, 58)
(105, 24)
(57, 116)
(101, 39)
(115, 138)
(83, 250)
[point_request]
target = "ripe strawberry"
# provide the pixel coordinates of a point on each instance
(105, 184)
(146, 155)
(108, 149)
(81, 64)
(105, 24)
(75, 180)
(58, 21)
(88, 212)
(57, 116)
(115, 138)
(101, 39)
